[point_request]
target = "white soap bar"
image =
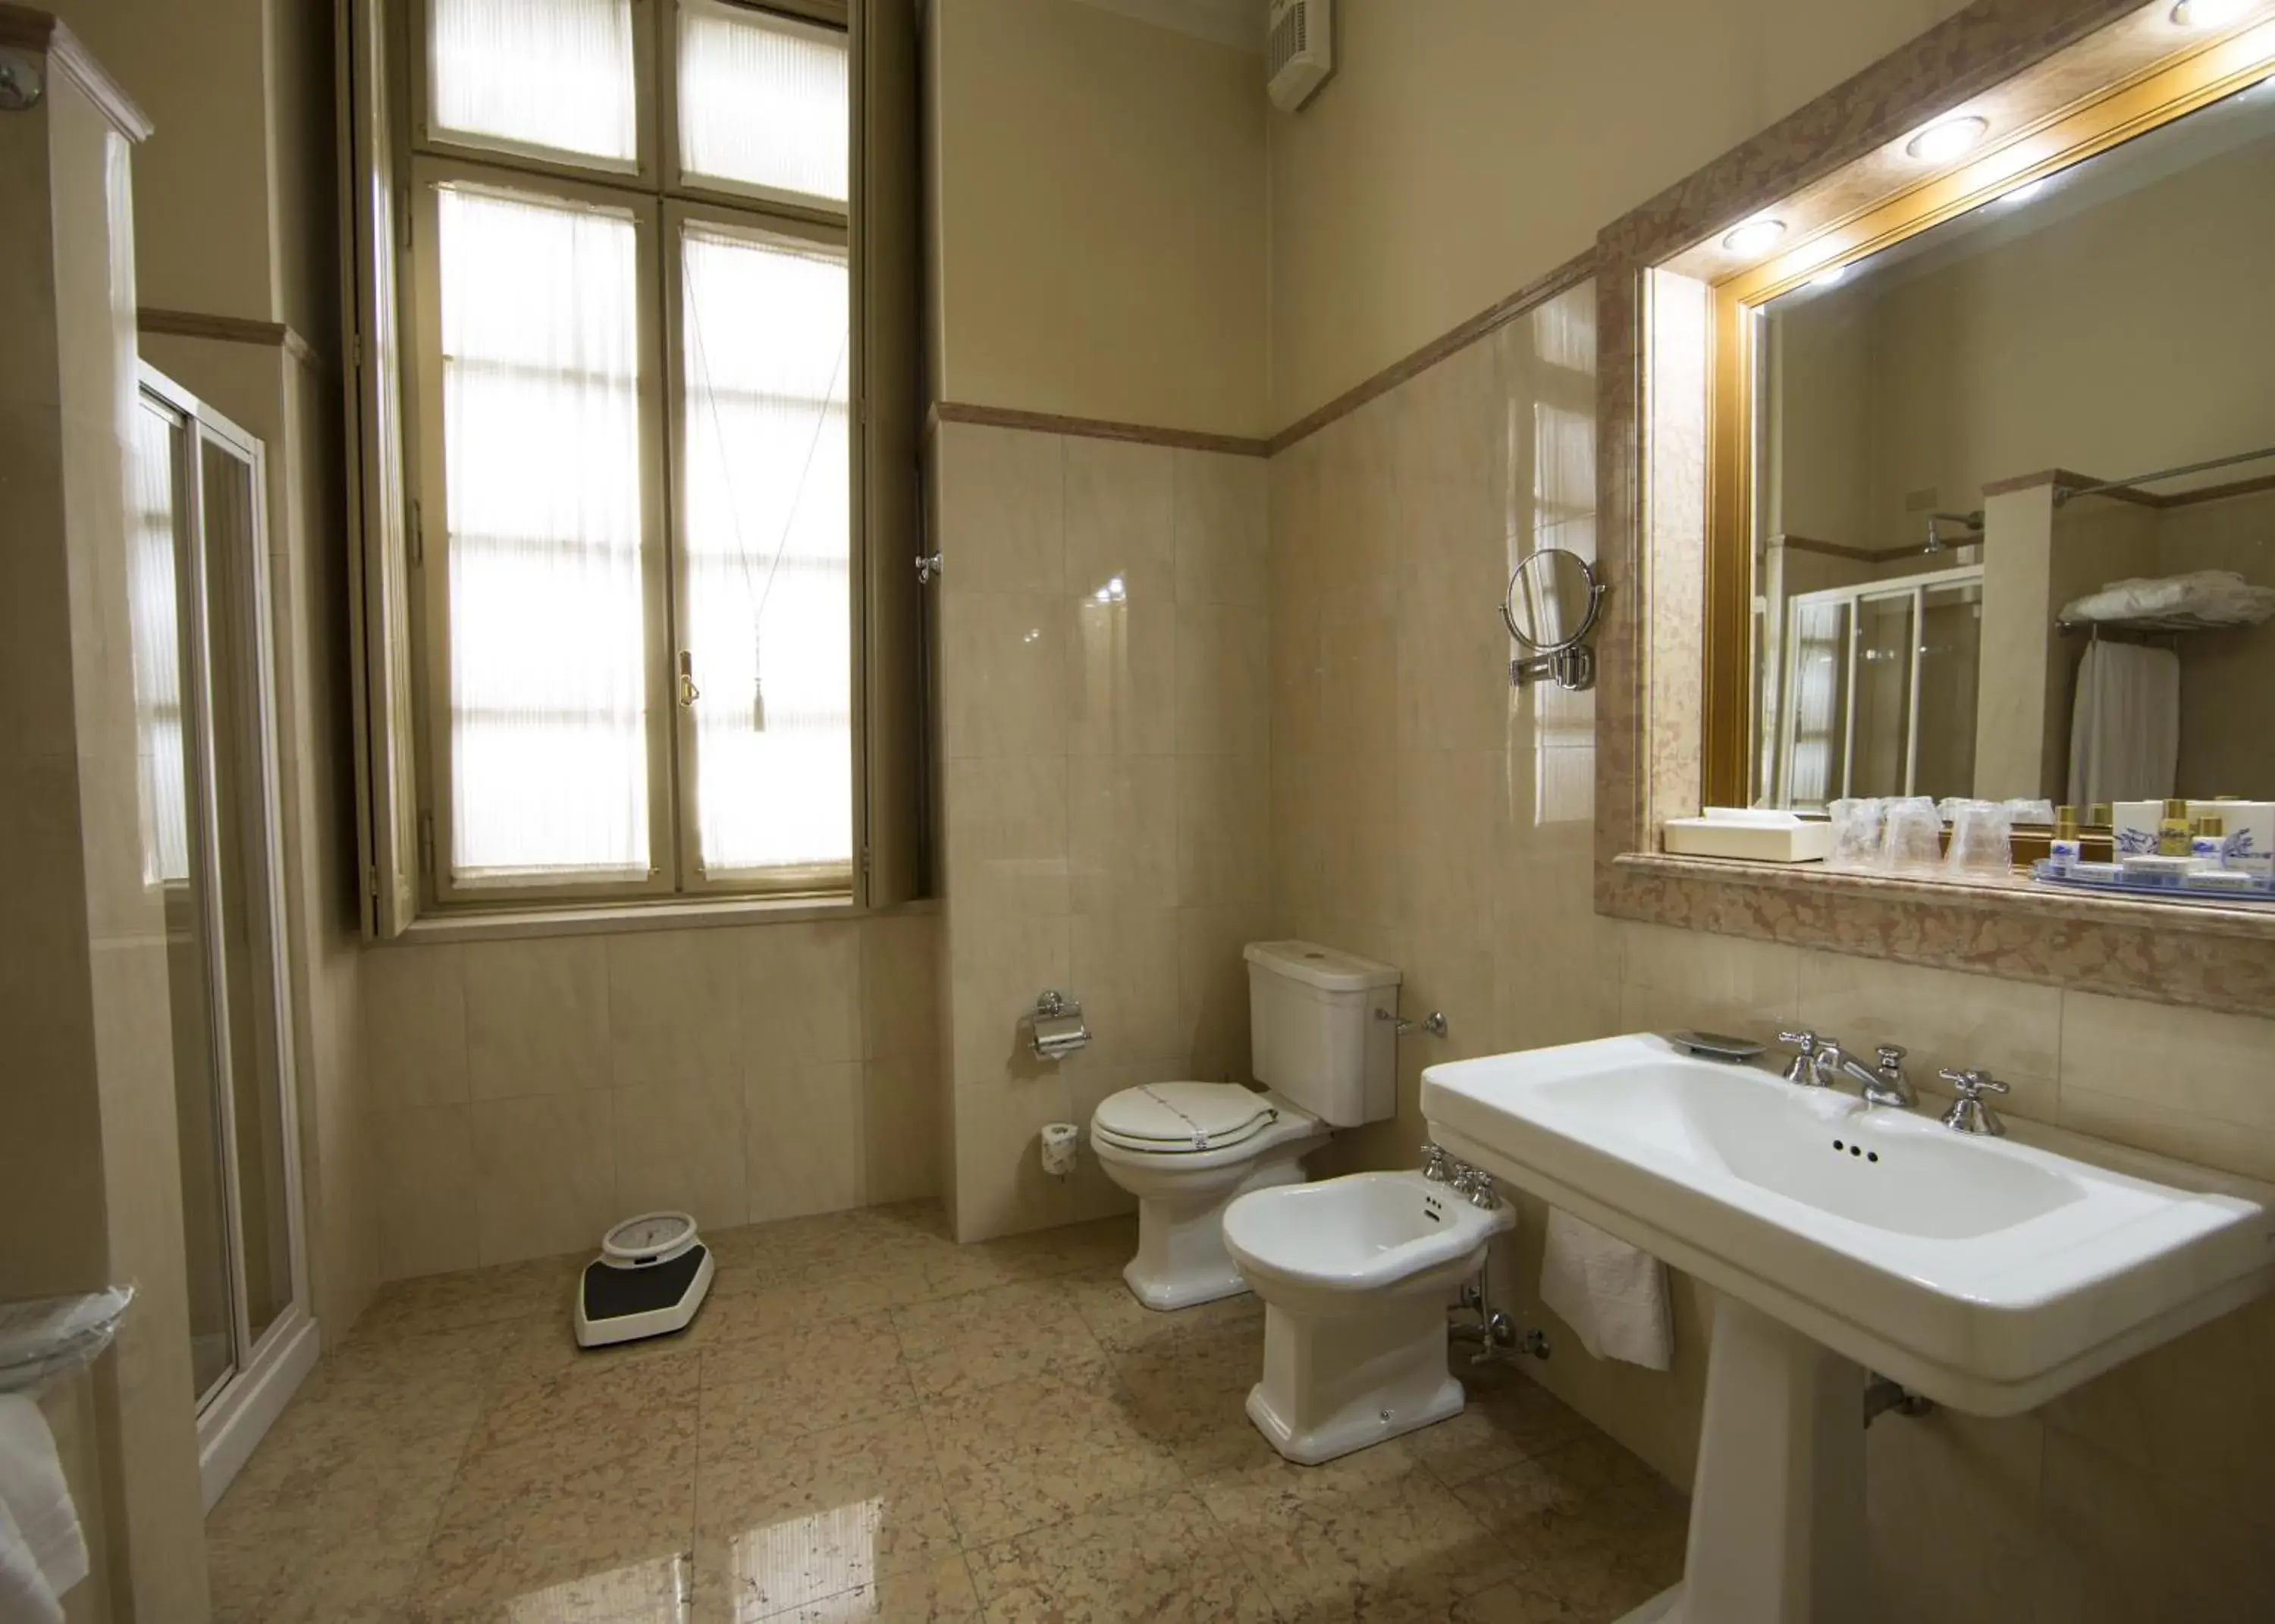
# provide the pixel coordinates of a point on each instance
(2249, 830)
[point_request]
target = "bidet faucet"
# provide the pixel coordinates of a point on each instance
(1820, 1062)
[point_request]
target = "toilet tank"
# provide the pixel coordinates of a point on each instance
(1314, 1039)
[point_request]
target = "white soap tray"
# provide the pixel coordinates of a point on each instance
(1752, 835)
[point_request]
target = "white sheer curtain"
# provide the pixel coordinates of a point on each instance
(1820, 638)
(154, 628)
(552, 73)
(762, 101)
(541, 459)
(765, 533)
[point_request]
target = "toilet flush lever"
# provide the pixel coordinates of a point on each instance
(1434, 1023)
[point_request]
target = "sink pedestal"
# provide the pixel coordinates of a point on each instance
(1777, 1510)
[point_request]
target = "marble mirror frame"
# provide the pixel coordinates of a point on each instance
(1830, 159)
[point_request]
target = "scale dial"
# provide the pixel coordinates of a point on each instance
(649, 1239)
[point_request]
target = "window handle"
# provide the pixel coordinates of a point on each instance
(688, 692)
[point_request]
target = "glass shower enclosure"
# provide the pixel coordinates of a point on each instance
(1879, 689)
(208, 801)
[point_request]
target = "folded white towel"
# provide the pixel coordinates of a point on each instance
(25, 1596)
(1612, 1294)
(42, 1522)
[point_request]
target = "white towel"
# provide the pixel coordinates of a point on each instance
(42, 1553)
(2125, 730)
(1614, 1294)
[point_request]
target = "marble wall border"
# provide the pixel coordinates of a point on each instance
(1089, 428)
(1652, 634)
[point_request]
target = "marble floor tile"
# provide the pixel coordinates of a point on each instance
(868, 1422)
(1157, 1557)
(1017, 1457)
(804, 1378)
(1369, 1533)
(1121, 1322)
(1509, 1418)
(938, 1593)
(1023, 1333)
(1192, 1390)
(791, 1524)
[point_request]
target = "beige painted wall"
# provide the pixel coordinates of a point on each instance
(234, 196)
(1464, 148)
(1425, 813)
(1100, 209)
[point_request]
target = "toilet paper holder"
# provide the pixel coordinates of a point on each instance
(1056, 1030)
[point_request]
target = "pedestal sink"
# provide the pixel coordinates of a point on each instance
(1988, 1273)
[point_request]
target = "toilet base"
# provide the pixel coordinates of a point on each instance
(1335, 1384)
(1188, 1289)
(1182, 1261)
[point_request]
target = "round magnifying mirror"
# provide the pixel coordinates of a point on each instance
(1552, 600)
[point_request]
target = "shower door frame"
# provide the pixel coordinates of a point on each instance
(1915, 587)
(265, 1371)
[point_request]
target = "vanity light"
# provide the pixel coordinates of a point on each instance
(2208, 13)
(2028, 190)
(1826, 278)
(1754, 237)
(1941, 142)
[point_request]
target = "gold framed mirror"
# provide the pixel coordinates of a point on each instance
(1922, 165)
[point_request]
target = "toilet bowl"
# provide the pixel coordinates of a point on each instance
(1323, 1043)
(1356, 1274)
(1185, 1150)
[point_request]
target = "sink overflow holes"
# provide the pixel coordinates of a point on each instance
(1856, 1150)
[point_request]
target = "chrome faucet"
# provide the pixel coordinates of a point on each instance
(1477, 1185)
(1967, 1112)
(1437, 1166)
(1820, 1062)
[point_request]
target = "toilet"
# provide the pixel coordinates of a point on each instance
(1356, 1274)
(1187, 1149)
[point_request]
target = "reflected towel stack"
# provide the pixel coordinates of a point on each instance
(42, 1553)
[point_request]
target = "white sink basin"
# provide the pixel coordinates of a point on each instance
(1988, 1274)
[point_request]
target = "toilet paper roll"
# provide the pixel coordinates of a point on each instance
(1060, 1142)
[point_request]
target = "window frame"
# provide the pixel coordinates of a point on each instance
(718, 190)
(660, 208)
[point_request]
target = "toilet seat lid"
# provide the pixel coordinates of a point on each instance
(1184, 1117)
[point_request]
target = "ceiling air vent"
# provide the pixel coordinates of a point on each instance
(1301, 52)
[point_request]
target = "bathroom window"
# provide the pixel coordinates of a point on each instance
(628, 357)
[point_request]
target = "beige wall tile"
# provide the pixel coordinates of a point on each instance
(545, 1173)
(2123, 1119)
(997, 966)
(537, 1016)
(1003, 665)
(1002, 510)
(1213, 986)
(1121, 832)
(679, 1147)
(1121, 695)
(900, 994)
(1452, 827)
(1222, 529)
(1358, 683)
(1298, 678)
(1944, 1017)
(2190, 1060)
(414, 1030)
(1119, 523)
(1124, 966)
(676, 1001)
(1676, 977)
(423, 1168)
(1007, 834)
(901, 1128)
(2118, 1544)
(1223, 802)
(801, 993)
(1967, 1490)
(806, 1139)
(1223, 662)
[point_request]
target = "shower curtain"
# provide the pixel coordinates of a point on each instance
(2125, 728)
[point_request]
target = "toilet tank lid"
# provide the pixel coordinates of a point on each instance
(1324, 968)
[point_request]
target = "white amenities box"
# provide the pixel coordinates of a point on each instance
(1751, 836)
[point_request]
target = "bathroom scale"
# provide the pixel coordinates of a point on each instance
(652, 1274)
